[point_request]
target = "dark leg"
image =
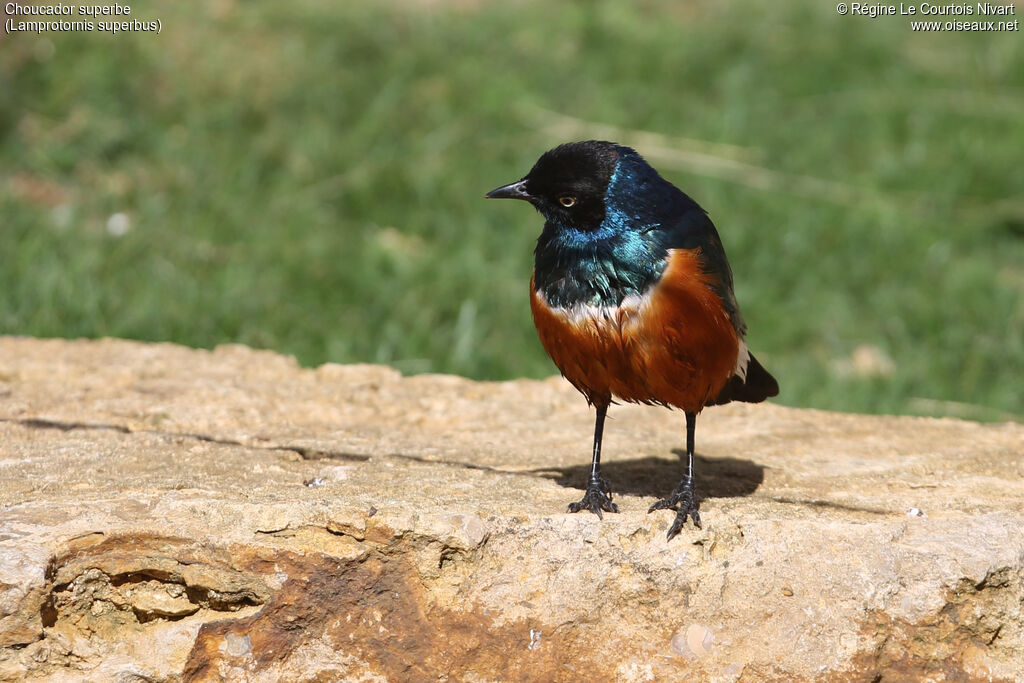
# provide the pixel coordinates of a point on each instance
(684, 499)
(598, 496)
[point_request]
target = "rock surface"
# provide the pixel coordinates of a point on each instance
(173, 514)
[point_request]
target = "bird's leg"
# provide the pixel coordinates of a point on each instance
(684, 499)
(598, 496)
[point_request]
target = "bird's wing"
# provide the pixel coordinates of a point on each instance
(693, 229)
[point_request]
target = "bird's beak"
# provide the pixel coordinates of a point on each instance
(516, 190)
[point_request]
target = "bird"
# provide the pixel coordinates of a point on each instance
(632, 297)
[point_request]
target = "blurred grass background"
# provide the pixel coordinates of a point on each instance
(308, 177)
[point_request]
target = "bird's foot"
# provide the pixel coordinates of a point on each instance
(684, 501)
(597, 498)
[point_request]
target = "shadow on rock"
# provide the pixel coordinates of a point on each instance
(651, 476)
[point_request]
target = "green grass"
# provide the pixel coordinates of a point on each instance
(308, 177)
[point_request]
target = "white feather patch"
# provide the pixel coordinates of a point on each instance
(625, 313)
(742, 360)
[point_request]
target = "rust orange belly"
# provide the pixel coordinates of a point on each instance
(673, 345)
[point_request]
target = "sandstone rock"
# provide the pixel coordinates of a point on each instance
(173, 514)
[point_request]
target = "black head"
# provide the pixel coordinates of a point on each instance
(568, 183)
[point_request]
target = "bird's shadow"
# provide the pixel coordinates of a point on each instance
(657, 477)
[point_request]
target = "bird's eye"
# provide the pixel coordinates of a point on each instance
(567, 201)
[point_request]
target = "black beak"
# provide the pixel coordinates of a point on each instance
(516, 190)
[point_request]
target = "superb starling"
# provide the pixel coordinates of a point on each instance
(632, 298)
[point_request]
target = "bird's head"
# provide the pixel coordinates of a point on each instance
(568, 184)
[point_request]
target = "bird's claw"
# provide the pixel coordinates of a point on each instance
(684, 502)
(597, 498)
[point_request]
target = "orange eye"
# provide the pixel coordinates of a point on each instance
(567, 201)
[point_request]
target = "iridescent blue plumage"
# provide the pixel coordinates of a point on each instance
(626, 253)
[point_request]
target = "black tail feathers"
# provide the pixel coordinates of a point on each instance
(758, 386)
